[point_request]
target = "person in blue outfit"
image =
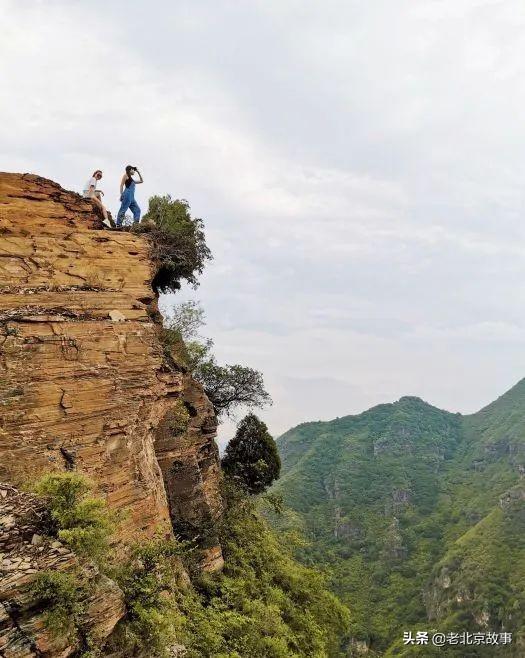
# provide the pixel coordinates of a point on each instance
(127, 195)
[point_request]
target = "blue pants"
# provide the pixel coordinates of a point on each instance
(128, 201)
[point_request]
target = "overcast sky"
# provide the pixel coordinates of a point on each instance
(360, 166)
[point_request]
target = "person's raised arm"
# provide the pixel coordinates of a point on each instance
(140, 176)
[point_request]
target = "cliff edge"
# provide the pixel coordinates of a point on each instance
(84, 381)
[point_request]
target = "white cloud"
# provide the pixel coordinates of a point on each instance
(360, 168)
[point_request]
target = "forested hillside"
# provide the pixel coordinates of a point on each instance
(419, 516)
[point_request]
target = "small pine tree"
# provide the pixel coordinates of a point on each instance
(251, 457)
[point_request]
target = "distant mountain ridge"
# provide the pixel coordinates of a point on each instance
(419, 514)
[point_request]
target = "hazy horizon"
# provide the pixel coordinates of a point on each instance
(359, 167)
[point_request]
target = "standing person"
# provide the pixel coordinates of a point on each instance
(90, 192)
(127, 195)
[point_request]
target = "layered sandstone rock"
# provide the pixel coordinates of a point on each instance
(84, 383)
(191, 471)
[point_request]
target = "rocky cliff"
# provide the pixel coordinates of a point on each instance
(84, 381)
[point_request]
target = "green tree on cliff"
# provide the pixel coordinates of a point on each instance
(227, 386)
(251, 457)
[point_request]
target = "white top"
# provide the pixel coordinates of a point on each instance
(92, 182)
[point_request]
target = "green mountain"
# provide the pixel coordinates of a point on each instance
(418, 514)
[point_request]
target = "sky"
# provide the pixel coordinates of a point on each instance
(359, 165)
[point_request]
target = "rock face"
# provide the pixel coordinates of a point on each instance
(191, 471)
(84, 382)
(23, 554)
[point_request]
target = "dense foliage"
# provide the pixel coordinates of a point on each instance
(264, 604)
(251, 457)
(227, 386)
(419, 514)
(178, 242)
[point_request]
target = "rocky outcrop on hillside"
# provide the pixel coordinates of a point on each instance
(84, 381)
(25, 552)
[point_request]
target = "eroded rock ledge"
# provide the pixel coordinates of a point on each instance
(84, 383)
(25, 552)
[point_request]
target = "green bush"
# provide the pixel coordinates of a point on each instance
(81, 522)
(263, 605)
(180, 335)
(178, 242)
(186, 319)
(58, 592)
(63, 595)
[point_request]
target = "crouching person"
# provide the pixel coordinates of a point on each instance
(91, 192)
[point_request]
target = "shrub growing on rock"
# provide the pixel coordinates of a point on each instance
(178, 242)
(178, 419)
(153, 582)
(59, 594)
(82, 522)
(251, 457)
